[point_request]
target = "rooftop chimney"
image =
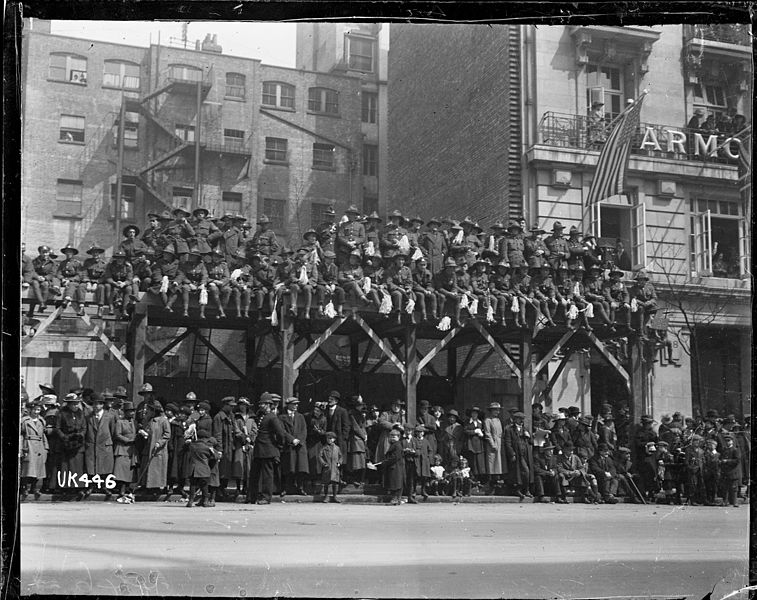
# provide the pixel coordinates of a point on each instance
(210, 44)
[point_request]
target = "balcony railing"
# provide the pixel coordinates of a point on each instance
(729, 33)
(562, 130)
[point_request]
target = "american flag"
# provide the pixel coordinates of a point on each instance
(610, 176)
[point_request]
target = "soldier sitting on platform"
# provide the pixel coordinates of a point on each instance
(283, 273)
(373, 272)
(414, 235)
(372, 235)
(449, 292)
(206, 233)
(92, 276)
(521, 285)
(192, 279)
(617, 296)
(219, 283)
(559, 251)
(264, 242)
(69, 270)
(499, 285)
(328, 285)
(142, 267)
(423, 288)
(350, 235)
(131, 243)
(390, 243)
(399, 284)
(165, 272)
(120, 277)
(44, 282)
(180, 231)
(479, 285)
(154, 236)
(594, 293)
(303, 278)
(544, 292)
(645, 298)
(351, 277)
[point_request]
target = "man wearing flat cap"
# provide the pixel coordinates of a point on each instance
(294, 458)
(338, 421)
(223, 432)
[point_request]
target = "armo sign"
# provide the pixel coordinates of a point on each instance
(676, 142)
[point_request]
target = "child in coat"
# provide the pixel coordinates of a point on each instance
(435, 482)
(200, 454)
(330, 460)
(393, 466)
(459, 477)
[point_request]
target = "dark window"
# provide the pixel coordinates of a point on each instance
(131, 130)
(68, 67)
(361, 54)
(233, 137)
(128, 199)
(370, 203)
(370, 160)
(184, 73)
(323, 100)
(121, 74)
(68, 197)
(273, 208)
(276, 149)
(235, 85)
(182, 198)
(323, 155)
(71, 129)
(185, 132)
(280, 95)
(232, 202)
(370, 107)
(318, 213)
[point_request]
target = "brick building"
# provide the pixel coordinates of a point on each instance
(457, 147)
(200, 128)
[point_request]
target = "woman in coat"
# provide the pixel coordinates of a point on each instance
(34, 449)
(394, 467)
(125, 459)
(71, 428)
(357, 444)
(493, 445)
(153, 461)
(245, 432)
(387, 420)
(316, 422)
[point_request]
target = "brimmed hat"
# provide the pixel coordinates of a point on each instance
(557, 225)
(420, 429)
(118, 254)
(397, 214)
(243, 401)
(330, 435)
(69, 248)
(514, 225)
(329, 254)
(616, 271)
(94, 248)
(453, 412)
(292, 400)
(145, 389)
(165, 216)
(200, 209)
(699, 112)
(450, 262)
(310, 231)
(72, 398)
(416, 219)
(120, 392)
(49, 399)
(494, 405)
(587, 420)
(424, 404)
(574, 410)
(597, 103)
(178, 209)
(47, 387)
(374, 216)
(262, 219)
(351, 210)
(536, 229)
(434, 220)
(497, 225)
(624, 450)
(130, 228)
(641, 275)
(575, 230)
(648, 419)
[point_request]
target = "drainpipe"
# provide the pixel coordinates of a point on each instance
(119, 172)
(198, 135)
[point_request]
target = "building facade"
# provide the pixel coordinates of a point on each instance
(201, 128)
(685, 215)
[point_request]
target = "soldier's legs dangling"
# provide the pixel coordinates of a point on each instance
(293, 291)
(185, 300)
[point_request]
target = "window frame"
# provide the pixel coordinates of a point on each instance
(225, 202)
(183, 131)
(187, 69)
(702, 210)
(278, 221)
(351, 39)
(68, 76)
(271, 151)
(321, 104)
(62, 203)
(131, 131)
(233, 140)
(235, 90)
(73, 132)
(369, 114)
(128, 200)
(278, 95)
(369, 161)
(318, 163)
(122, 76)
(606, 91)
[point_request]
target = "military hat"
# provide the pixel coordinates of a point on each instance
(118, 254)
(215, 252)
(597, 104)
(624, 450)
(399, 401)
(120, 392)
(96, 398)
(374, 216)
(265, 398)
(397, 214)
(589, 236)
(310, 231)
(663, 443)
(47, 387)
(712, 413)
(128, 228)
(574, 410)
(536, 229)
(434, 220)
(595, 267)
(72, 398)
(169, 249)
(602, 446)
(450, 262)
(228, 400)
(179, 210)
(477, 227)
(262, 219)
(587, 420)
(503, 264)
(351, 210)
(287, 251)
(616, 271)
(200, 209)
(575, 230)
(172, 407)
(145, 389)
(153, 215)
(42, 249)
(648, 419)
(642, 275)
(193, 253)
(165, 216)
(292, 400)
(416, 219)
(69, 248)
(454, 224)
(557, 225)
(497, 225)
(494, 406)
(36, 403)
(518, 415)
(329, 254)
(94, 248)
(238, 217)
(467, 221)
(514, 225)
(453, 412)
(128, 405)
(205, 405)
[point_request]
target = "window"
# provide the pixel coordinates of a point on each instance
(323, 156)
(68, 67)
(710, 98)
(370, 159)
(322, 100)
(318, 213)
(128, 199)
(185, 132)
(184, 73)
(131, 130)
(370, 107)
(71, 129)
(121, 74)
(719, 244)
(625, 223)
(235, 85)
(276, 149)
(233, 137)
(370, 203)
(68, 197)
(361, 54)
(605, 84)
(232, 203)
(182, 198)
(280, 95)
(273, 208)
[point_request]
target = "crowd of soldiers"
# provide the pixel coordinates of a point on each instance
(411, 268)
(155, 449)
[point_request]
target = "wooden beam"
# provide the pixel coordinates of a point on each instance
(273, 362)
(610, 358)
(451, 364)
(471, 351)
(322, 353)
(438, 347)
(380, 343)
(288, 371)
(637, 383)
(552, 351)
(136, 352)
(379, 364)
(250, 353)
(479, 362)
(556, 374)
(366, 355)
(428, 366)
(527, 380)
(412, 372)
(97, 330)
(42, 326)
(160, 353)
(313, 347)
(220, 355)
(354, 356)
(503, 354)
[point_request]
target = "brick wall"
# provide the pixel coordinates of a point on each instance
(449, 121)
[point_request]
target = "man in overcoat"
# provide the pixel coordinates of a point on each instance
(517, 443)
(266, 453)
(338, 421)
(223, 432)
(294, 458)
(153, 460)
(98, 443)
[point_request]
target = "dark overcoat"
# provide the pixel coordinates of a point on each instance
(98, 443)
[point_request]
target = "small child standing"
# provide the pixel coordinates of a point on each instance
(394, 468)
(711, 471)
(436, 481)
(460, 478)
(200, 454)
(330, 460)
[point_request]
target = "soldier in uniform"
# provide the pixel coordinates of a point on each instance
(618, 298)
(399, 284)
(512, 246)
(264, 242)
(559, 251)
(350, 235)
(44, 281)
(545, 292)
(192, 277)
(594, 293)
(434, 244)
(303, 278)
(449, 292)
(92, 273)
(310, 245)
(180, 231)
(414, 234)
(479, 286)
(390, 243)
(592, 254)
(328, 284)
(242, 284)
(351, 277)
(423, 288)
(131, 243)
(372, 235)
(646, 302)
(328, 224)
(576, 247)
(142, 267)
(69, 270)
(534, 249)
(231, 237)
(492, 241)
(499, 284)
(206, 233)
(396, 219)
(264, 275)
(219, 283)
(167, 266)
(154, 236)
(473, 245)
(119, 276)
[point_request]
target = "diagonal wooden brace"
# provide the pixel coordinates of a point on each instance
(98, 331)
(610, 358)
(383, 346)
(550, 355)
(501, 352)
(438, 347)
(42, 326)
(310, 350)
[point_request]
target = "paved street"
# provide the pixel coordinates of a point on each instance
(440, 550)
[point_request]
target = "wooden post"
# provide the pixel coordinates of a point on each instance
(411, 372)
(250, 356)
(527, 377)
(637, 382)
(288, 372)
(137, 349)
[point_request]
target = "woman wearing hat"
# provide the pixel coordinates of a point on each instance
(206, 233)
(245, 432)
(316, 428)
(119, 277)
(492, 429)
(131, 243)
(179, 231)
(34, 449)
(44, 281)
(71, 429)
(191, 280)
(153, 459)
(165, 272)
(387, 420)
(70, 271)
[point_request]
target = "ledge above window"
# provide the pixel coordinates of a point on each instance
(322, 168)
(324, 114)
(65, 216)
(281, 163)
(235, 98)
(73, 83)
(71, 143)
(281, 108)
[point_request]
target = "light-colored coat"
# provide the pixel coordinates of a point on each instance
(493, 445)
(123, 451)
(159, 432)
(34, 448)
(98, 444)
(330, 458)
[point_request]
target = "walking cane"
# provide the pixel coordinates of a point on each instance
(634, 487)
(153, 454)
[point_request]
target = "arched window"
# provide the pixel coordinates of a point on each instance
(121, 74)
(235, 85)
(68, 67)
(323, 100)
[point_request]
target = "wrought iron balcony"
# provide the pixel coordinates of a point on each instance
(727, 33)
(563, 130)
